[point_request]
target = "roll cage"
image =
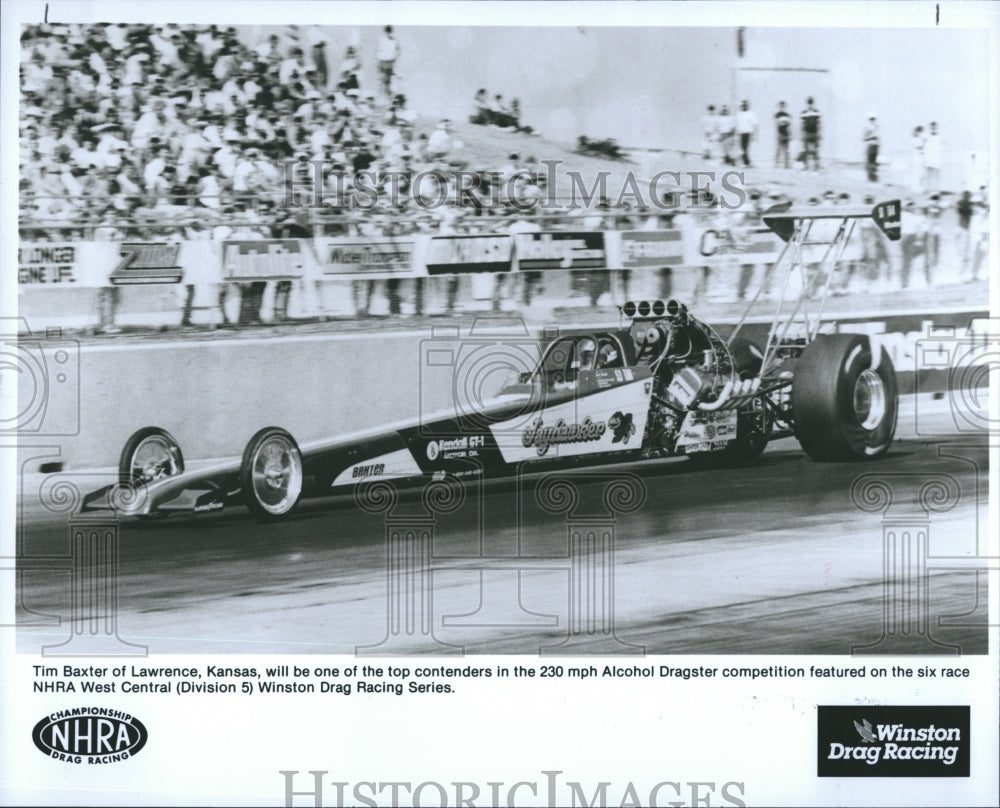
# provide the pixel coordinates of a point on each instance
(571, 357)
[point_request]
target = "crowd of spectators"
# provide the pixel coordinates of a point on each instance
(127, 127)
(727, 136)
(137, 131)
(131, 131)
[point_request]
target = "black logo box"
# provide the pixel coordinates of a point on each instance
(836, 724)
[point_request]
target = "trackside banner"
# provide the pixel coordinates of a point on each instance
(653, 248)
(469, 253)
(352, 258)
(148, 263)
(82, 264)
(725, 244)
(757, 245)
(264, 259)
(560, 250)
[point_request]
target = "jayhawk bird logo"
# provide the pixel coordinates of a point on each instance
(865, 730)
(622, 427)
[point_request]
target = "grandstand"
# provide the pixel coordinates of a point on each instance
(182, 134)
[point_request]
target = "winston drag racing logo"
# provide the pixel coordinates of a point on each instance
(91, 735)
(876, 741)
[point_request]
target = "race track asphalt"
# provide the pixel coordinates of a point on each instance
(772, 559)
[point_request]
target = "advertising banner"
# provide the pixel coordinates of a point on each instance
(711, 246)
(653, 248)
(725, 246)
(560, 250)
(473, 253)
(263, 260)
(365, 257)
(44, 265)
(146, 263)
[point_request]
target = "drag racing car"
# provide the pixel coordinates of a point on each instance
(663, 384)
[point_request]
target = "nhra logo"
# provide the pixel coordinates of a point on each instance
(893, 742)
(91, 735)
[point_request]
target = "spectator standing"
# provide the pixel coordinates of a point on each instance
(110, 147)
(811, 134)
(966, 210)
(783, 135)
(871, 138)
(726, 135)
(439, 143)
(531, 279)
(875, 255)
(979, 237)
(208, 190)
(270, 51)
(293, 68)
(913, 242)
(386, 53)
(321, 65)
(933, 159)
(746, 126)
(154, 123)
(349, 69)
(709, 132)
(918, 144)
(932, 251)
(483, 114)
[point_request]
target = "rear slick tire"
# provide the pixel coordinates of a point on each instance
(844, 398)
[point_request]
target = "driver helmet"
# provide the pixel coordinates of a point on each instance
(585, 353)
(608, 354)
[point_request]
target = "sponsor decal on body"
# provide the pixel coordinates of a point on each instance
(384, 467)
(542, 437)
(707, 429)
(622, 426)
(368, 470)
(449, 448)
(605, 421)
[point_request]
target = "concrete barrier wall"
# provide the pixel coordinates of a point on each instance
(213, 395)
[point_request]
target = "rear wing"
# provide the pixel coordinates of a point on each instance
(783, 219)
